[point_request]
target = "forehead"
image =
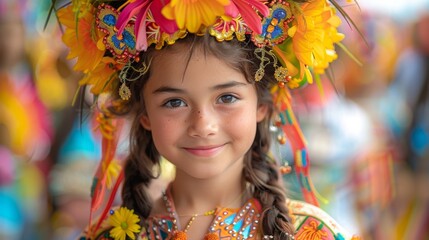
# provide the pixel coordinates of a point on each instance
(179, 52)
(174, 53)
(182, 61)
(197, 70)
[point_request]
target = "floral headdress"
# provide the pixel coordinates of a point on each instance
(296, 36)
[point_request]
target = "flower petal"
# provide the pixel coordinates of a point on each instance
(231, 10)
(140, 27)
(166, 25)
(128, 12)
(190, 15)
(125, 223)
(249, 15)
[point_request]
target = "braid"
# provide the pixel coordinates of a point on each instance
(264, 177)
(259, 170)
(143, 156)
(138, 171)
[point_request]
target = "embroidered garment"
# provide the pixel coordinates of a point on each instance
(311, 223)
(238, 223)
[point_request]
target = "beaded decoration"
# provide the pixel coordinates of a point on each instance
(122, 46)
(181, 234)
(275, 26)
(227, 222)
(125, 76)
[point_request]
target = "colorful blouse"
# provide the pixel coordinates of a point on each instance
(311, 223)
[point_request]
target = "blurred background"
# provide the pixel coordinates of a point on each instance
(367, 131)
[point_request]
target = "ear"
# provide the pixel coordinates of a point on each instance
(145, 122)
(262, 112)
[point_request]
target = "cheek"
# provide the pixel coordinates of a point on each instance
(242, 124)
(165, 131)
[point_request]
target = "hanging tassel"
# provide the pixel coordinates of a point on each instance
(293, 132)
(109, 129)
(110, 201)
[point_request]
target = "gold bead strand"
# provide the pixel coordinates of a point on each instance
(190, 222)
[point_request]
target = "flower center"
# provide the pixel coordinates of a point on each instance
(124, 225)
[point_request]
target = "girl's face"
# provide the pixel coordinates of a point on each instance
(202, 114)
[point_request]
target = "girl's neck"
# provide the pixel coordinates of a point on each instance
(195, 196)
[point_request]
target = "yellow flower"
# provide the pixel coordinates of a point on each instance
(314, 35)
(81, 36)
(191, 14)
(125, 223)
(332, 36)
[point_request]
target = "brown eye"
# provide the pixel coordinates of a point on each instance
(228, 98)
(174, 103)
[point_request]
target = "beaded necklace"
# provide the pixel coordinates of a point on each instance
(238, 223)
(182, 234)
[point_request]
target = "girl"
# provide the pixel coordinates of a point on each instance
(205, 103)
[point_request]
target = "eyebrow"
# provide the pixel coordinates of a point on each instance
(166, 89)
(229, 85)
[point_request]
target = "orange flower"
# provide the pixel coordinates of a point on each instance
(81, 36)
(102, 77)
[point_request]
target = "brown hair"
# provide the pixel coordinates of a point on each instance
(260, 171)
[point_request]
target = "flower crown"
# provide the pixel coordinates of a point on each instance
(296, 36)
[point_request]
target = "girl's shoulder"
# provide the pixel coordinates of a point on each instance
(312, 222)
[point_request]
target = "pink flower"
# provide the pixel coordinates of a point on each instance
(140, 8)
(246, 8)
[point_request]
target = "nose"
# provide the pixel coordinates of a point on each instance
(202, 123)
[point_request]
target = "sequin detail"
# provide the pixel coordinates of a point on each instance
(237, 223)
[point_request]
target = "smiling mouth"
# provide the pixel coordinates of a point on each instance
(204, 151)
